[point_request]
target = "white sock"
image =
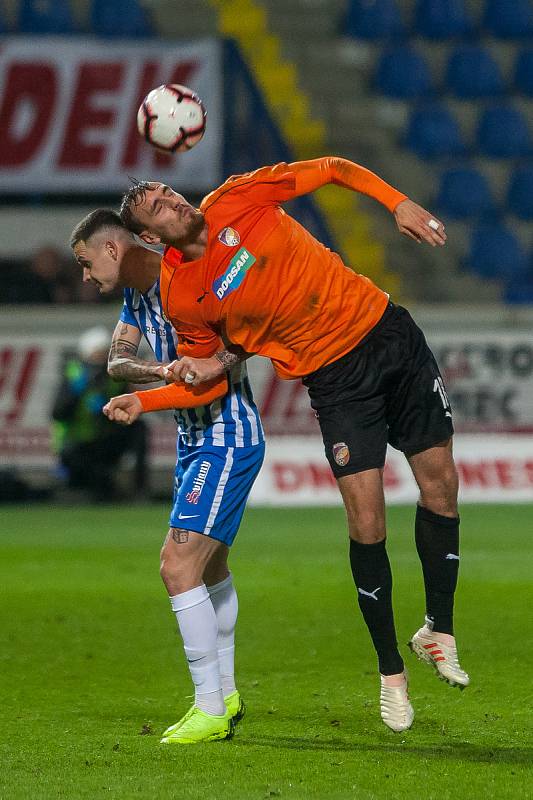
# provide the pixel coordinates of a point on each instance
(198, 627)
(224, 599)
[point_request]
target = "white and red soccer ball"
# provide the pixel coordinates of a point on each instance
(171, 118)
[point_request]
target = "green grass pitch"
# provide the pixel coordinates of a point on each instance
(92, 670)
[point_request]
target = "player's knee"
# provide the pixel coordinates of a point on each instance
(182, 561)
(168, 567)
(367, 527)
(439, 493)
(172, 563)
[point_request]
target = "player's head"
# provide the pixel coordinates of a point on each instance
(158, 214)
(99, 242)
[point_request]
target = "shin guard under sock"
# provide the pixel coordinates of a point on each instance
(437, 544)
(373, 578)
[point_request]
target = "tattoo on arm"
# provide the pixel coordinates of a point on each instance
(122, 347)
(123, 364)
(229, 359)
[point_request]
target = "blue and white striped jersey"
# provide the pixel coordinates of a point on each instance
(231, 421)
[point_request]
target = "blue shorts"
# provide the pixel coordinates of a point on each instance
(211, 488)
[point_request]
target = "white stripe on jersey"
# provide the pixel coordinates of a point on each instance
(217, 429)
(239, 429)
(231, 421)
(253, 417)
(220, 490)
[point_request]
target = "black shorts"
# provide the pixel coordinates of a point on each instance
(387, 389)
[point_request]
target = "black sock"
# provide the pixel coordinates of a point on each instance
(373, 578)
(437, 544)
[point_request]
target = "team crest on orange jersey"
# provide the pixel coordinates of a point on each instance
(229, 237)
(341, 453)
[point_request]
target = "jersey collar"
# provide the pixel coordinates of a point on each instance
(172, 256)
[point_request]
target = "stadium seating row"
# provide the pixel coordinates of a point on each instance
(502, 132)
(495, 252)
(465, 193)
(110, 18)
(471, 73)
(437, 19)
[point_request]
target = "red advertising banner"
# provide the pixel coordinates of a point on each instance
(30, 374)
(481, 368)
(492, 469)
(68, 113)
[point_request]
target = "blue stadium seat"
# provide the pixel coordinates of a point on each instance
(120, 18)
(503, 133)
(441, 19)
(520, 291)
(464, 193)
(433, 132)
(403, 73)
(523, 76)
(4, 28)
(45, 16)
(520, 194)
(509, 19)
(473, 73)
(495, 252)
(373, 19)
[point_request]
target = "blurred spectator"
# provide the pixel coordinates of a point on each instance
(89, 446)
(50, 282)
(16, 489)
(48, 277)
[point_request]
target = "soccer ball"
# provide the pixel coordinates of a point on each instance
(171, 118)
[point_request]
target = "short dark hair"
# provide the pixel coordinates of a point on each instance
(136, 194)
(94, 223)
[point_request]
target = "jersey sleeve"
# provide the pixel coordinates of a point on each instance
(311, 175)
(183, 395)
(265, 186)
(127, 314)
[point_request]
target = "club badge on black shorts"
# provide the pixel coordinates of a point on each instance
(341, 453)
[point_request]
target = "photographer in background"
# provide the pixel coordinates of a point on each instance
(88, 445)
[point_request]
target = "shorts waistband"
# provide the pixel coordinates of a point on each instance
(390, 309)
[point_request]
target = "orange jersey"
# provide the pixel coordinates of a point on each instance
(264, 282)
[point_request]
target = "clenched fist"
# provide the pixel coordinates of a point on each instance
(125, 409)
(194, 370)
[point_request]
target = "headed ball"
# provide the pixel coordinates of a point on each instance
(171, 118)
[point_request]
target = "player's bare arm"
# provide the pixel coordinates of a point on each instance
(123, 363)
(412, 220)
(198, 370)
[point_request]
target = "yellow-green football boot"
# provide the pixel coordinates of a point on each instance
(197, 726)
(235, 705)
(177, 724)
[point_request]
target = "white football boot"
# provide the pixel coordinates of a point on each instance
(396, 710)
(442, 657)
